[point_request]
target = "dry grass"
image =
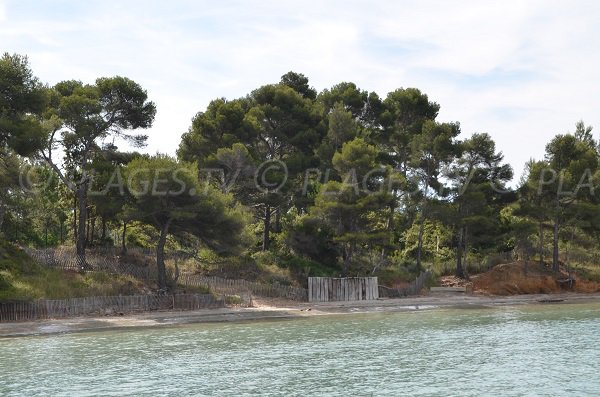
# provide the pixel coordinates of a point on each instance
(453, 281)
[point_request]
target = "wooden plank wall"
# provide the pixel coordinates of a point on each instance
(328, 289)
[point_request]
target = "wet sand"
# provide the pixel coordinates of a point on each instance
(279, 309)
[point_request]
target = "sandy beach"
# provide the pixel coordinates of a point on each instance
(273, 310)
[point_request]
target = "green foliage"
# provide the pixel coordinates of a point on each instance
(391, 275)
(221, 125)
(32, 202)
(299, 83)
(363, 105)
(590, 273)
(78, 119)
(22, 98)
(313, 239)
(304, 267)
(561, 190)
(479, 193)
(16, 261)
(140, 234)
(21, 278)
(233, 300)
(276, 124)
(437, 243)
(400, 181)
(292, 181)
(342, 128)
(350, 210)
(272, 268)
(355, 160)
(168, 196)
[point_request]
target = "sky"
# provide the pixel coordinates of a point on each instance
(522, 71)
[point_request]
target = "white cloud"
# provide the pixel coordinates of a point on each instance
(521, 71)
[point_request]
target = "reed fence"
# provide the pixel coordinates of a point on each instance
(107, 260)
(235, 287)
(105, 305)
(67, 259)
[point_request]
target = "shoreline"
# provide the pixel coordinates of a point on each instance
(280, 310)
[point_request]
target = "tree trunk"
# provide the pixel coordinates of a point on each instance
(160, 257)
(92, 230)
(80, 245)
(2, 213)
(555, 264)
(390, 223)
(568, 247)
(541, 248)
(75, 218)
(123, 244)
(422, 227)
(103, 237)
(278, 220)
(420, 243)
(466, 255)
(460, 271)
(267, 227)
(81, 232)
(348, 253)
(87, 229)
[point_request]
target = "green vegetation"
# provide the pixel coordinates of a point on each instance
(233, 299)
(23, 279)
(178, 205)
(280, 184)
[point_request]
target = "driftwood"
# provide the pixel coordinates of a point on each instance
(567, 283)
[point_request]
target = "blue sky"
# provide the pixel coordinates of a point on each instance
(520, 70)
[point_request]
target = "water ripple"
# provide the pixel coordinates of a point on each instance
(510, 351)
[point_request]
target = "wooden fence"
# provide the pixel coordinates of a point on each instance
(105, 305)
(66, 259)
(414, 287)
(236, 287)
(327, 289)
(107, 260)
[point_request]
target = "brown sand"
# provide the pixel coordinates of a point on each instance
(512, 279)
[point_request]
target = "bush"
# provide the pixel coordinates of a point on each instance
(304, 267)
(390, 276)
(590, 273)
(233, 300)
(23, 279)
(444, 269)
(265, 259)
(310, 238)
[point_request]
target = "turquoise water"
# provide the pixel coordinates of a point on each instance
(538, 350)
